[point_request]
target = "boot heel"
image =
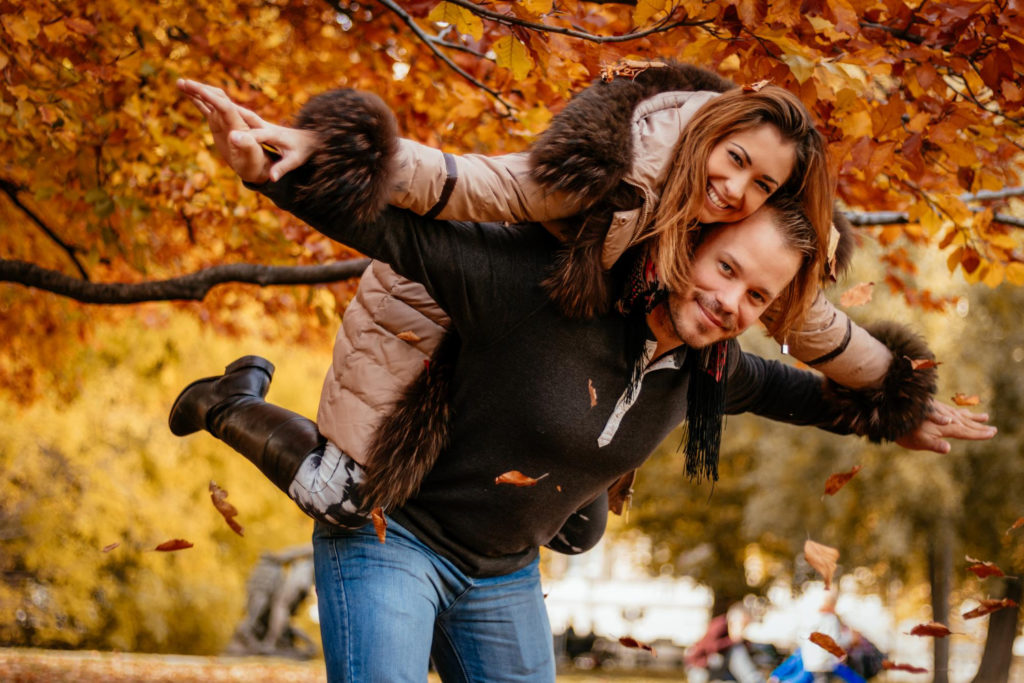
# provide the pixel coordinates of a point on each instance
(251, 362)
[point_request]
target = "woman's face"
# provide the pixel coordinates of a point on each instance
(744, 169)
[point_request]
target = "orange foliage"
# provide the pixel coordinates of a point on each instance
(108, 174)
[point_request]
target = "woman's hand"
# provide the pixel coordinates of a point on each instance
(947, 422)
(240, 136)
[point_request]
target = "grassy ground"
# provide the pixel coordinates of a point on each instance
(53, 666)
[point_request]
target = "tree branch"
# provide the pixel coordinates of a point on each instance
(192, 287)
(11, 190)
(509, 20)
(900, 217)
(993, 195)
(422, 35)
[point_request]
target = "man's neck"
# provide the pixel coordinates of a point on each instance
(664, 333)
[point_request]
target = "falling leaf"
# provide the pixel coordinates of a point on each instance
(932, 628)
(857, 295)
(408, 336)
(173, 544)
(108, 548)
(922, 363)
(380, 523)
(983, 569)
(220, 501)
(893, 666)
(1016, 525)
(965, 400)
(839, 480)
(626, 641)
(823, 558)
(558, 488)
(988, 607)
(517, 478)
(826, 643)
(593, 393)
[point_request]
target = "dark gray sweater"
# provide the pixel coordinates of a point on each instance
(521, 387)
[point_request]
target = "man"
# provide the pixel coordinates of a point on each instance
(561, 407)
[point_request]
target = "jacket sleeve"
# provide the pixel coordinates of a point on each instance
(780, 392)
(473, 187)
(867, 368)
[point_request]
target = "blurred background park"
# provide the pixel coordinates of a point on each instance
(107, 176)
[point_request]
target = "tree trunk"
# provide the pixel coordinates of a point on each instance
(940, 571)
(1002, 629)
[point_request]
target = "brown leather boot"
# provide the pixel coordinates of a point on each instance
(231, 408)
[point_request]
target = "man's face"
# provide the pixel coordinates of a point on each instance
(738, 270)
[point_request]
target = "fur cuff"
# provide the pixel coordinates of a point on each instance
(351, 169)
(887, 412)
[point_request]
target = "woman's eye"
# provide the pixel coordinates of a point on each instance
(764, 186)
(736, 157)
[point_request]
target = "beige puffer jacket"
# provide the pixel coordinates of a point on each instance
(393, 326)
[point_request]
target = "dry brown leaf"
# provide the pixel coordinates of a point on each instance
(983, 569)
(965, 400)
(932, 628)
(220, 501)
(988, 607)
(826, 643)
(380, 523)
(839, 480)
(517, 478)
(857, 295)
(893, 666)
(173, 544)
(1016, 525)
(593, 392)
(922, 363)
(823, 558)
(409, 336)
(108, 548)
(626, 641)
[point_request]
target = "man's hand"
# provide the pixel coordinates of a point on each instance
(946, 422)
(239, 133)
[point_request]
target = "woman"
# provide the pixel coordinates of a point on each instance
(597, 174)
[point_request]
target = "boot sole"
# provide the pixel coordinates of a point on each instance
(182, 425)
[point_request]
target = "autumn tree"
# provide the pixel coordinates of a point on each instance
(108, 176)
(111, 192)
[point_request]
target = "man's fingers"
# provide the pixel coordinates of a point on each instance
(250, 117)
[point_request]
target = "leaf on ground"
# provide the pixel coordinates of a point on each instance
(932, 628)
(839, 480)
(593, 392)
(220, 501)
(909, 668)
(626, 641)
(988, 607)
(922, 363)
(1016, 525)
(983, 569)
(857, 295)
(173, 544)
(380, 523)
(108, 548)
(826, 643)
(823, 558)
(965, 400)
(517, 478)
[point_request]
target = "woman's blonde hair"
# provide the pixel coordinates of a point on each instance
(675, 228)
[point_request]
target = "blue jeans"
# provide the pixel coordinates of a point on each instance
(386, 609)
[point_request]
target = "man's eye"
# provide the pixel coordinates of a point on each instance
(726, 268)
(758, 297)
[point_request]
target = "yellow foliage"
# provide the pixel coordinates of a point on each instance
(513, 55)
(102, 468)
